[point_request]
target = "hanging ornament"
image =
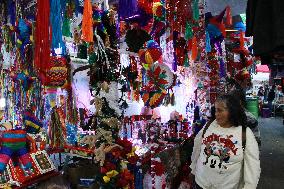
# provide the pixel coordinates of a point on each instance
(87, 22)
(42, 37)
(56, 23)
(195, 10)
(186, 61)
(194, 48)
(66, 27)
(188, 31)
(208, 43)
(159, 79)
(152, 53)
(158, 10)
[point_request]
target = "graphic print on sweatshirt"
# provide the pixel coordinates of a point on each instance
(218, 150)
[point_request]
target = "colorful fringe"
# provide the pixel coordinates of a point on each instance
(14, 144)
(32, 124)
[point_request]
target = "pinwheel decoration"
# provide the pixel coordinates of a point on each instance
(160, 78)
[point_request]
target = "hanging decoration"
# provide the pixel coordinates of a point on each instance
(42, 38)
(160, 78)
(57, 74)
(56, 23)
(151, 54)
(135, 39)
(87, 23)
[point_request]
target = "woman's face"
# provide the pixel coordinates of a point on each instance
(222, 113)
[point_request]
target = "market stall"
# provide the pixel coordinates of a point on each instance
(118, 88)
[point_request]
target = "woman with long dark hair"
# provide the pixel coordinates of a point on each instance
(225, 153)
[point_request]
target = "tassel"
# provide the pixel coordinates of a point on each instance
(186, 62)
(87, 23)
(56, 23)
(228, 16)
(194, 49)
(195, 10)
(208, 44)
(42, 37)
(188, 31)
(242, 40)
(173, 99)
(222, 69)
(174, 64)
(66, 27)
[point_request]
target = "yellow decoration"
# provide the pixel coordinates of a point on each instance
(156, 6)
(146, 66)
(112, 173)
(106, 179)
(123, 164)
(19, 41)
(148, 58)
(130, 154)
(32, 38)
(155, 97)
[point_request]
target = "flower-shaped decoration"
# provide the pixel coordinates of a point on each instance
(160, 78)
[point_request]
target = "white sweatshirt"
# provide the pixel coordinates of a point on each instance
(217, 159)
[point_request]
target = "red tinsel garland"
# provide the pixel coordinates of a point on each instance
(179, 12)
(42, 38)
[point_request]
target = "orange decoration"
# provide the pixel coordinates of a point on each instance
(87, 23)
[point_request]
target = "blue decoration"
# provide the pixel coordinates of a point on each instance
(208, 44)
(213, 31)
(12, 11)
(240, 26)
(71, 133)
(138, 178)
(56, 23)
(222, 69)
(77, 7)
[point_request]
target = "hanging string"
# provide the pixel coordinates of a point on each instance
(56, 23)
(87, 23)
(42, 38)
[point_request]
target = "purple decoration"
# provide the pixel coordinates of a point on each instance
(140, 17)
(222, 69)
(127, 8)
(174, 65)
(175, 37)
(12, 12)
(218, 47)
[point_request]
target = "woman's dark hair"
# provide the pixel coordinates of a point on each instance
(237, 115)
(239, 94)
